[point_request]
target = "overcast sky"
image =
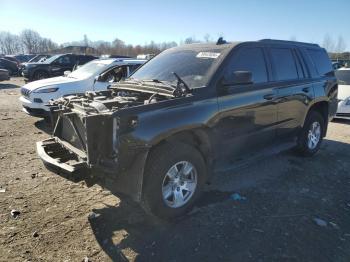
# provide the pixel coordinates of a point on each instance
(139, 22)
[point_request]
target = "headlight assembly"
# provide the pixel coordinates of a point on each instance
(46, 90)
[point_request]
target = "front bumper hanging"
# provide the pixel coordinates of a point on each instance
(59, 157)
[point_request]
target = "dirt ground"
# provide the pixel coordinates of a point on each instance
(293, 209)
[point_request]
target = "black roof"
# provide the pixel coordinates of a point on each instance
(273, 41)
(230, 45)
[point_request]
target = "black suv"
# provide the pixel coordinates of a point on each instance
(159, 135)
(54, 66)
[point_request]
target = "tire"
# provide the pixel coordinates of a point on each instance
(314, 121)
(159, 190)
(40, 75)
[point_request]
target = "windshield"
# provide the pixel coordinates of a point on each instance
(90, 69)
(193, 66)
(52, 58)
(343, 77)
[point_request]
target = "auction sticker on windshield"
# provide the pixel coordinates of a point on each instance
(208, 55)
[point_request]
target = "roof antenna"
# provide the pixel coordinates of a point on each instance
(221, 41)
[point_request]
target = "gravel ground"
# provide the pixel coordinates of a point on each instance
(292, 208)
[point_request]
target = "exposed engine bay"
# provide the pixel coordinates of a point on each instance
(117, 97)
(105, 101)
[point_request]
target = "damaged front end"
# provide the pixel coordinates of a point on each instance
(84, 135)
(86, 139)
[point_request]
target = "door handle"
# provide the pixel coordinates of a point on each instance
(306, 89)
(269, 96)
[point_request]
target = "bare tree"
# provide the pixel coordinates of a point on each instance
(9, 43)
(31, 40)
(86, 40)
(341, 45)
(207, 38)
(328, 43)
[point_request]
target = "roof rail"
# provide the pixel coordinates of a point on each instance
(287, 42)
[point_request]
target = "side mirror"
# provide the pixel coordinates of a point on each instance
(238, 78)
(66, 73)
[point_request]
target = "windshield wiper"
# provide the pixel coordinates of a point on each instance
(181, 81)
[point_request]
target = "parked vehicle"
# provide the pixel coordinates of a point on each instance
(13, 59)
(39, 58)
(9, 66)
(54, 66)
(96, 75)
(35, 59)
(24, 58)
(337, 65)
(158, 136)
(4, 75)
(343, 76)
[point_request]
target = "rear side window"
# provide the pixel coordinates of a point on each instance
(85, 59)
(321, 61)
(250, 59)
(284, 64)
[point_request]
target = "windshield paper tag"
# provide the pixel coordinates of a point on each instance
(208, 55)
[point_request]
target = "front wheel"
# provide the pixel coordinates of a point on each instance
(40, 75)
(174, 177)
(311, 136)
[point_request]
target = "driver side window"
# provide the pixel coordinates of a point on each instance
(115, 74)
(63, 60)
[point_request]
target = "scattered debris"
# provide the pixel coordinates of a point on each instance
(334, 225)
(258, 230)
(15, 213)
(86, 259)
(237, 197)
(2, 190)
(35, 234)
(320, 222)
(93, 215)
(33, 175)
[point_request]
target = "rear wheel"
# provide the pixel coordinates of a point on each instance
(40, 75)
(174, 177)
(311, 136)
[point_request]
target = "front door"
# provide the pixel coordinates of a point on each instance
(247, 113)
(111, 76)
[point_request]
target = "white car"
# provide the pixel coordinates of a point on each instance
(343, 76)
(95, 75)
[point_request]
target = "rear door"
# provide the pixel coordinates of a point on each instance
(294, 88)
(247, 113)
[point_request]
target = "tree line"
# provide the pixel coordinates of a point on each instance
(28, 41)
(31, 42)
